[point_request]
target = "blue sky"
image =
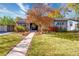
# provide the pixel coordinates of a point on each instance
(18, 9)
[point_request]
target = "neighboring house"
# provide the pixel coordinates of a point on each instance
(10, 28)
(22, 22)
(6, 28)
(3, 28)
(66, 24)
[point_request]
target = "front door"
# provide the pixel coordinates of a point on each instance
(33, 27)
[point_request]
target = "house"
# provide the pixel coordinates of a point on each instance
(10, 28)
(62, 24)
(3, 28)
(6, 28)
(21, 22)
(6, 24)
(66, 24)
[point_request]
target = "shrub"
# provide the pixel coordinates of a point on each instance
(62, 30)
(55, 29)
(20, 28)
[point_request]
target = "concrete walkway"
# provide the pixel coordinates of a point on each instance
(22, 47)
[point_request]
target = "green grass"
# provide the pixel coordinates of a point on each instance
(7, 42)
(55, 44)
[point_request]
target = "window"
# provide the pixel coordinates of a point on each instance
(62, 23)
(59, 23)
(70, 23)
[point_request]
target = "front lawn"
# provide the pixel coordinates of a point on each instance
(7, 42)
(55, 44)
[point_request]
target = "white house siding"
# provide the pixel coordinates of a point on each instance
(76, 28)
(60, 24)
(3, 28)
(73, 27)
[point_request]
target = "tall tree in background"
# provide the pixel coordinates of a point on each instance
(6, 21)
(74, 6)
(63, 9)
(17, 19)
(38, 15)
(55, 14)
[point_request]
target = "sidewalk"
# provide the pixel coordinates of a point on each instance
(22, 47)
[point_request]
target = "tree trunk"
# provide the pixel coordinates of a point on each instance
(41, 29)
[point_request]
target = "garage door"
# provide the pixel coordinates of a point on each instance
(3, 28)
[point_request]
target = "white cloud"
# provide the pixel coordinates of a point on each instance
(24, 9)
(4, 10)
(21, 6)
(8, 12)
(20, 11)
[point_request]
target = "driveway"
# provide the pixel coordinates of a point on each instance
(4, 33)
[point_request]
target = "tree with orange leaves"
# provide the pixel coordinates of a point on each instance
(38, 16)
(55, 14)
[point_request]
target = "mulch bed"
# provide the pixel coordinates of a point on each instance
(24, 33)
